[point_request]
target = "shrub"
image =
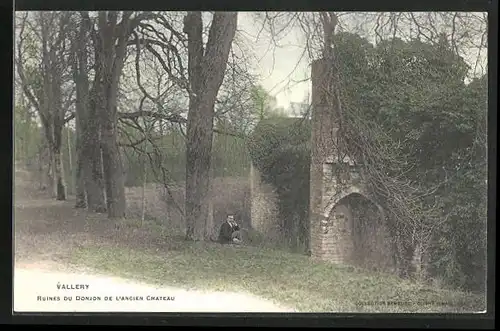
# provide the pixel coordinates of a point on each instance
(279, 148)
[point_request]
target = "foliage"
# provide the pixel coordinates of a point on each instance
(279, 148)
(407, 105)
(262, 102)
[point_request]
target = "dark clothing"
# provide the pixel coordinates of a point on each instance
(235, 226)
(226, 232)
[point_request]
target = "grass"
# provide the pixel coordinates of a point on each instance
(290, 279)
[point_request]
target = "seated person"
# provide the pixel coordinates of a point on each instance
(229, 231)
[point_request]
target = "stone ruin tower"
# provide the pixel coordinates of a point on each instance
(346, 227)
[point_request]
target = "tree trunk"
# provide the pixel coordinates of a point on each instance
(44, 166)
(89, 177)
(114, 178)
(113, 168)
(113, 175)
(112, 164)
(52, 173)
(92, 165)
(81, 198)
(70, 187)
(41, 181)
(206, 72)
(198, 161)
(110, 54)
(56, 169)
(94, 181)
(59, 175)
(58, 160)
(143, 212)
(27, 135)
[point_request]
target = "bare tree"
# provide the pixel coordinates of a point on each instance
(89, 176)
(206, 66)
(45, 85)
(110, 35)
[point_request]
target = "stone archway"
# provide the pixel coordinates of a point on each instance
(354, 232)
(345, 226)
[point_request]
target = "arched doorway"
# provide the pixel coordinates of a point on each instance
(357, 235)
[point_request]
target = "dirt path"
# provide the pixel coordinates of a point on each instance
(46, 232)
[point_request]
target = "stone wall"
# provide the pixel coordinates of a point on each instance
(322, 134)
(337, 245)
(264, 206)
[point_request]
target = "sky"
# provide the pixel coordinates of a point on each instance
(280, 68)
